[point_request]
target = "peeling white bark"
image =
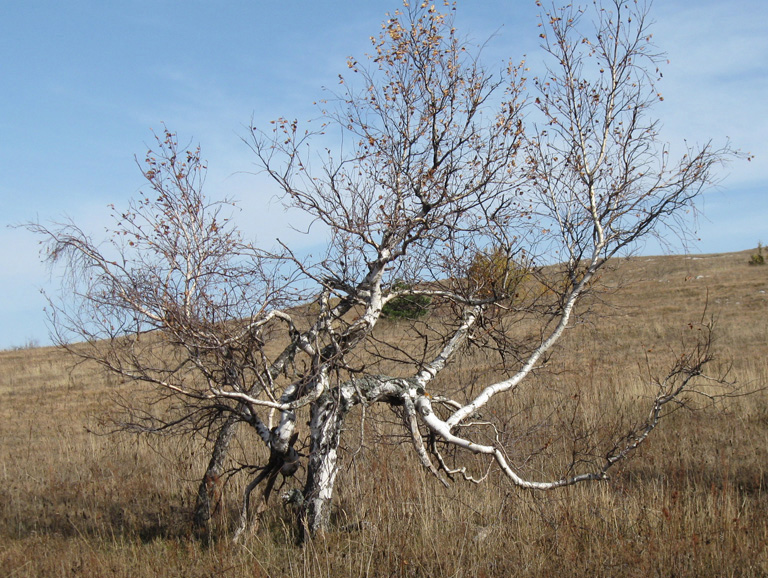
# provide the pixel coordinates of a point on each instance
(326, 425)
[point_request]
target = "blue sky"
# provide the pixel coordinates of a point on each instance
(83, 82)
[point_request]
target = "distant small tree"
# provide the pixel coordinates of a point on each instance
(757, 258)
(436, 161)
(494, 272)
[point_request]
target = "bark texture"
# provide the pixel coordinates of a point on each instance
(327, 421)
(209, 491)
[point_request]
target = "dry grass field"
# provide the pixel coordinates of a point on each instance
(692, 502)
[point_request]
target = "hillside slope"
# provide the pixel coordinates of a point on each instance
(692, 503)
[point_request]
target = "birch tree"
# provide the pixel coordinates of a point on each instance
(430, 176)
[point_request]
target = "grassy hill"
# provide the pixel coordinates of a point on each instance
(693, 502)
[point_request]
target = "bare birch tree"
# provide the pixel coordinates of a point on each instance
(431, 177)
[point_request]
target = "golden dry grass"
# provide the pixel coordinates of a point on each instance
(692, 502)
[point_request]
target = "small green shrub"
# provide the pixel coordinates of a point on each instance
(406, 306)
(758, 258)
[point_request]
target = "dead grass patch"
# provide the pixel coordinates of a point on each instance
(692, 503)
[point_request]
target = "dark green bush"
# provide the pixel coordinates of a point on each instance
(406, 306)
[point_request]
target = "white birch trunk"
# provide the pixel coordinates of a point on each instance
(326, 424)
